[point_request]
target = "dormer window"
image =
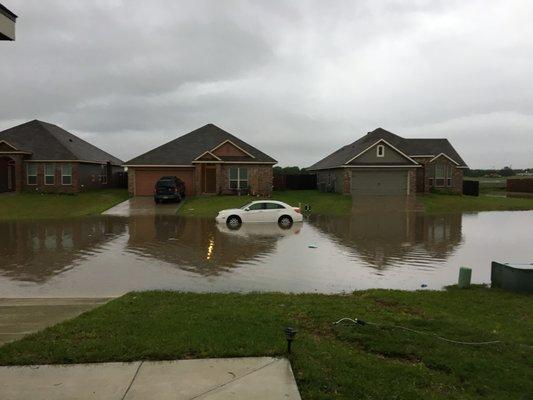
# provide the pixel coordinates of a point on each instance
(380, 151)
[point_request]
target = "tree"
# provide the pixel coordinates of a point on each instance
(506, 171)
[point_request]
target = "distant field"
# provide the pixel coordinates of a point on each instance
(490, 184)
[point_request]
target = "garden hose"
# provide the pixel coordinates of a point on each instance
(361, 322)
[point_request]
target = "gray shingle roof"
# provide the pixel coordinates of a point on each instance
(184, 149)
(50, 142)
(411, 147)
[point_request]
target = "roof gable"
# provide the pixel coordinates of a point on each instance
(229, 149)
(207, 156)
(5, 146)
(185, 149)
(391, 155)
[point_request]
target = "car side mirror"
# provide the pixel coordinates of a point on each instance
(246, 209)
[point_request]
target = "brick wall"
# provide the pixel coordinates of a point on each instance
(426, 173)
(260, 178)
(131, 181)
(57, 187)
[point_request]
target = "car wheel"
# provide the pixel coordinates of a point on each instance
(233, 222)
(285, 221)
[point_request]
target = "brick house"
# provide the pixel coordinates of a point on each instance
(40, 157)
(382, 163)
(208, 160)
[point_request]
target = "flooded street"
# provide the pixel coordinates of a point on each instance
(107, 256)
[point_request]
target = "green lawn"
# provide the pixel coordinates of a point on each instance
(321, 203)
(33, 205)
(329, 361)
(439, 203)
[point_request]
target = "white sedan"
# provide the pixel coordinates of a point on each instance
(261, 211)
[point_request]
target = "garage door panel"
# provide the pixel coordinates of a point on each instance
(145, 180)
(379, 183)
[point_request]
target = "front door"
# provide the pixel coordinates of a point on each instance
(210, 179)
(7, 174)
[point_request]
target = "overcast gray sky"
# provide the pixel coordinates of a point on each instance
(298, 79)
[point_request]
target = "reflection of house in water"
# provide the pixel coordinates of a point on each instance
(35, 251)
(383, 239)
(196, 245)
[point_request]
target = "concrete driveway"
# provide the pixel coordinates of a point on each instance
(258, 378)
(142, 206)
(19, 317)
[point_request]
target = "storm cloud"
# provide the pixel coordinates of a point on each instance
(298, 79)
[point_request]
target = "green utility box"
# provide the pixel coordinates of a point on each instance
(465, 276)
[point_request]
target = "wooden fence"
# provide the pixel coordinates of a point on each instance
(295, 182)
(520, 185)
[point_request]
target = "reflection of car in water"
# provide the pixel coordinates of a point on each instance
(256, 229)
(261, 211)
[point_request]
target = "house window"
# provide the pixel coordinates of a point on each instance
(66, 174)
(440, 172)
(49, 174)
(238, 178)
(103, 174)
(380, 151)
(31, 173)
(449, 176)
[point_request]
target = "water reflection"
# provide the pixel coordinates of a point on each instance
(37, 250)
(384, 239)
(107, 256)
(201, 246)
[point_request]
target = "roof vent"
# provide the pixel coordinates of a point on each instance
(70, 140)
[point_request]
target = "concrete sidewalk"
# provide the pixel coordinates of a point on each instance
(20, 317)
(259, 378)
(142, 206)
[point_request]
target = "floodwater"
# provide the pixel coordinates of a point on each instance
(107, 256)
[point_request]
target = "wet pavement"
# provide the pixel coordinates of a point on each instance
(107, 256)
(231, 378)
(142, 206)
(19, 317)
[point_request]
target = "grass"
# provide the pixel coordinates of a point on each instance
(440, 203)
(33, 205)
(321, 203)
(329, 361)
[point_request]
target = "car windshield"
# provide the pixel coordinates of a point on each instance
(246, 206)
(168, 183)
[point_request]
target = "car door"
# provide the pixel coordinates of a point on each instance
(273, 212)
(255, 213)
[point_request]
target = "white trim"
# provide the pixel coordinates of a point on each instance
(72, 161)
(378, 148)
(229, 141)
(462, 167)
(16, 152)
(423, 156)
(157, 166)
(62, 175)
(9, 144)
(445, 155)
(366, 166)
(204, 153)
(44, 175)
(388, 144)
(36, 176)
(234, 162)
(379, 166)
